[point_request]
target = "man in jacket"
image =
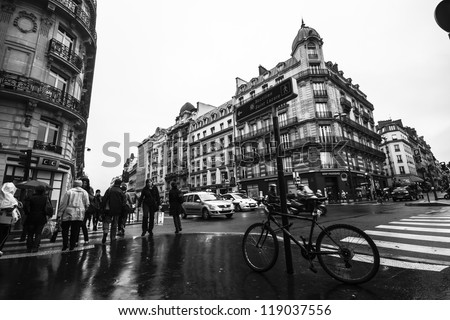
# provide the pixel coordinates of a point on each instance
(150, 201)
(71, 212)
(113, 204)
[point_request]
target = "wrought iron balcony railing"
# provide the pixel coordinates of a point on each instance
(41, 145)
(63, 52)
(38, 90)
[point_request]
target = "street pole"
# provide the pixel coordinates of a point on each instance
(282, 187)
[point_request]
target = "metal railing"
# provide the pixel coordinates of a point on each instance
(39, 90)
(59, 49)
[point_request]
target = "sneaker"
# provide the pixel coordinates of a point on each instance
(143, 234)
(86, 242)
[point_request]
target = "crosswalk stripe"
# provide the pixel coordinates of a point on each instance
(408, 236)
(435, 230)
(412, 265)
(404, 246)
(421, 223)
(433, 218)
(43, 253)
(425, 220)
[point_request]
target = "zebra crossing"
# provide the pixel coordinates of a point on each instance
(420, 242)
(14, 248)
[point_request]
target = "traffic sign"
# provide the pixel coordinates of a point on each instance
(278, 94)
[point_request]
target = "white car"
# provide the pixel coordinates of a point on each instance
(241, 201)
(206, 205)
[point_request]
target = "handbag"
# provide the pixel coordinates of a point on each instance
(9, 215)
(159, 218)
(48, 229)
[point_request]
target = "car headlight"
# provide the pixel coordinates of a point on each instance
(213, 207)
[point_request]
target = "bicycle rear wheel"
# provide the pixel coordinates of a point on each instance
(347, 254)
(260, 247)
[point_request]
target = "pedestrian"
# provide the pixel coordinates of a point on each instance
(123, 217)
(38, 210)
(8, 211)
(175, 208)
(97, 205)
(272, 194)
(149, 200)
(71, 214)
(89, 211)
(113, 204)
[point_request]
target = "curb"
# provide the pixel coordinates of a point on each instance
(428, 204)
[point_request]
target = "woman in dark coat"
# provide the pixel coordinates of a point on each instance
(37, 217)
(175, 201)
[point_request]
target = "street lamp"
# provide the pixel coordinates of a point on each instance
(350, 184)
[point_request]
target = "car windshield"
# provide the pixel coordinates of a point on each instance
(208, 197)
(240, 196)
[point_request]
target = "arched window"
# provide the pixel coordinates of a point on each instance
(312, 51)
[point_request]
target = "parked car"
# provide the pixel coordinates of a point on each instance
(241, 201)
(404, 193)
(206, 205)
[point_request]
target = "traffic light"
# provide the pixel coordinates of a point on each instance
(25, 161)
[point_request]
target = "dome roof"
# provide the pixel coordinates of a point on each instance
(304, 34)
(187, 107)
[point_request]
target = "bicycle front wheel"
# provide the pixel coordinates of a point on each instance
(260, 247)
(347, 254)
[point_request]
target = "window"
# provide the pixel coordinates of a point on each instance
(312, 53)
(213, 178)
(213, 129)
(57, 81)
(48, 132)
(399, 159)
(402, 170)
(325, 133)
(221, 126)
(396, 147)
(204, 133)
(282, 118)
(394, 137)
(65, 38)
(229, 123)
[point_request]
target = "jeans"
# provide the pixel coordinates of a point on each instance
(177, 222)
(84, 228)
(148, 220)
(110, 222)
(34, 234)
(74, 227)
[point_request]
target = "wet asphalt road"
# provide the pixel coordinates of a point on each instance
(194, 266)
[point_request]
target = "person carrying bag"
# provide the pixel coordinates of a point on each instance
(9, 212)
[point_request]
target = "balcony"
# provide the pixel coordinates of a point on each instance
(288, 122)
(346, 105)
(12, 83)
(324, 114)
(313, 71)
(321, 94)
(61, 53)
(361, 128)
(254, 133)
(74, 10)
(41, 145)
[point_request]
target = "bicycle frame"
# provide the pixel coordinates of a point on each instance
(314, 223)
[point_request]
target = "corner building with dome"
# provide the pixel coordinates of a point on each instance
(328, 134)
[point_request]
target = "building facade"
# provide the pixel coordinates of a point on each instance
(47, 60)
(211, 149)
(327, 133)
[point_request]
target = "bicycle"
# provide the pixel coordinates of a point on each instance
(345, 252)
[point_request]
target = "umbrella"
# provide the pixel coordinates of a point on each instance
(32, 184)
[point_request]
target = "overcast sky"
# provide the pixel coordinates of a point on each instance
(154, 56)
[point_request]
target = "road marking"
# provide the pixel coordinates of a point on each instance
(408, 236)
(435, 230)
(427, 217)
(404, 247)
(43, 253)
(421, 223)
(412, 265)
(425, 220)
